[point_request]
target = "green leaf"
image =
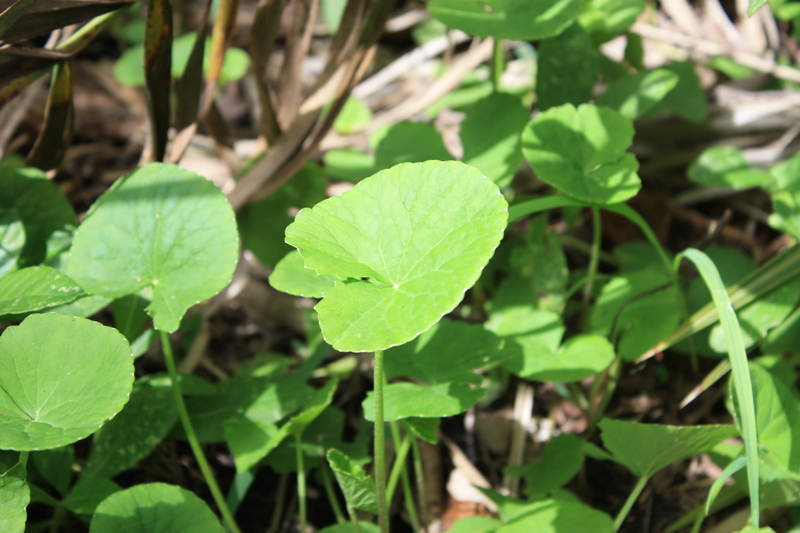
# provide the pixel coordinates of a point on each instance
(88, 493)
(292, 277)
(45, 214)
(348, 164)
(634, 95)
(56, 467)
(725, 166)
(12, 240)
(490, 135)
(647, 448)
(251, 439)
(754, 6)
(536, 331)
(404, 400)
(581, 152)
(561, 460)
(476, 524)
(552, 516)
(34, 288)
(423, 428)
(61, 378)
(354, 115)
(524, 20)
(410, 142)
(640, 307)
(262, 224)
(448, 351)
(129, 69)
(580, 357)
(358, 488)
(567, 69)
(688, 99)
(364, 527)
(135, 432)
(605, 19)
(15, 495)
(130, 315)
(154, 508)
(161, 227)
(421, 233)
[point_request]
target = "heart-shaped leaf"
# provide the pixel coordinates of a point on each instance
(154, 508)
(34, 288)
(582, 152)
(525, 20)
(647, 448)
(61, 378)
(420, 233)
(161, 227)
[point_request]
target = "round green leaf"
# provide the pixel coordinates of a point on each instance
(154, 508)
(34, 288)
(162, 227)
(582, 152)
(61, 378)
(420, 233)
(524, 20)
(292, 277)
(15, 495)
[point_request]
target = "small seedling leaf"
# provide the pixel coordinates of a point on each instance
(161, 227)
(154, 508)
(35, 288)
(61, 378)
(292, 277)
(582, 152)
(647, 448)
(420, 233)
(358, 488)
(525, 20)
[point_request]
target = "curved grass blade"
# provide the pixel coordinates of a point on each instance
(56, 133)
(158, 73)
(741, 373)
(12, 13)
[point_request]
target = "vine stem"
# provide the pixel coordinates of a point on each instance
(191, 436)
(380, 446)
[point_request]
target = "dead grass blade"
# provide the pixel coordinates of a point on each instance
(56, 134)
(158, 73)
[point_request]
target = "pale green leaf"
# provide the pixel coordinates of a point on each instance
(12, 240)
(476, 524)
(61, 378)
(420, 233)
(154, 508)
(35, 288)
(358, 488)
(524, 20)
(161, 227)
(634, 95)
(582, 152)
(354, 115)
(567, 69)
(605, 19)
(647, 448)
(291, 276)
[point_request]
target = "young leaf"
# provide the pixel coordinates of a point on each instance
(61, 378)
(561, 460)
(154, 508)
(15, 495)
(292, 277)
(567, 69)
(420, 232)
(358, 488)
(162, 227)
(524, 20)
(581, 152)
(45, 214)
(34, 288)
(725, 166)
(647, 448)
